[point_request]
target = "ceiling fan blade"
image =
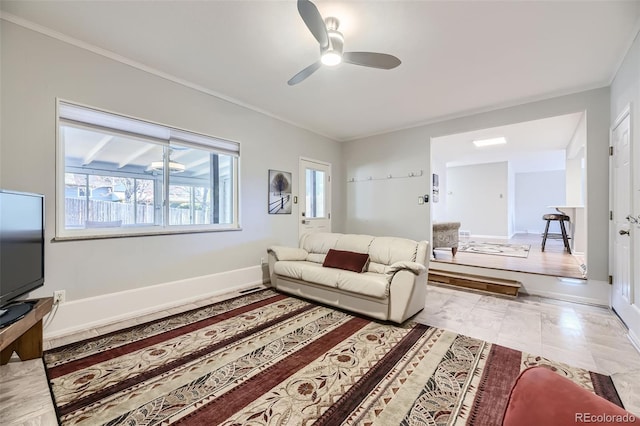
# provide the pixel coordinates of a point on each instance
(370, 59)
(304, 73)
(312, 18)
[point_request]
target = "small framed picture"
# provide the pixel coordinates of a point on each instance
(280, 199)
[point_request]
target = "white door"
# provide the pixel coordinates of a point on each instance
(623, 300)
(315, 196)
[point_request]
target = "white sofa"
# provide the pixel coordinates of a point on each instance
(392, 287)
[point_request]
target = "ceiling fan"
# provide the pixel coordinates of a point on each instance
(331, 43)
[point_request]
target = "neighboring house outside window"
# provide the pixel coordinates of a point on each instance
(122, 176)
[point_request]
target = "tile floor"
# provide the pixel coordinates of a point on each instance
(584, 336)
(580, 335)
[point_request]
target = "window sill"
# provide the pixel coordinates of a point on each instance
(141, 234)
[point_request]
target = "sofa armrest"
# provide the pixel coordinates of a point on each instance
(288, 253)
(414, 267)
(407, 294)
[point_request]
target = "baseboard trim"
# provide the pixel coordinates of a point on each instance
(568, 298)
(635, 341)
(83, 314)
(489, 237)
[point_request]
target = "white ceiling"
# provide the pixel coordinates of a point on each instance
(458, 57)
(531, 146)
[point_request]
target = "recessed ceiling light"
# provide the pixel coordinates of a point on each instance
(488, 142)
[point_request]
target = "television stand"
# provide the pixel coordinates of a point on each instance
(15, 312)
(25, 335)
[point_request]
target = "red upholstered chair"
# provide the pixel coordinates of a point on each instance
(542, 397)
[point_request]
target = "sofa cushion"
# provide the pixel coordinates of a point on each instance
(347, 260)
(368, 284)
(354, 242)
(292, 268)
(319, 242)
(323, 276)
(307, 271)
(389, 250)
(316, 257)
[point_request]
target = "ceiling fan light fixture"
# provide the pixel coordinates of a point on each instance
(331, 58)
(174, 166)
(331, 43)
(331, 54)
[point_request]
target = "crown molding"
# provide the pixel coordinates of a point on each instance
(142, 67)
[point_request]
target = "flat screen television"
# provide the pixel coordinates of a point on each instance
(21, 251)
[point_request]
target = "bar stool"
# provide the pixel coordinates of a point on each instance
(561, 218)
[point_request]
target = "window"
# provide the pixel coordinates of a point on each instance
(123, 176)
(315, 193)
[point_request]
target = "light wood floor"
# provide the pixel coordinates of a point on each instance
(554, 261)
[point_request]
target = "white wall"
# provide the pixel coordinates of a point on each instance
(511, 200)
(439, 209)
(388, 206)
(534, 192)
(409, 148)
(477, 198)
(575, 172)
(36, 69)
(539, 161)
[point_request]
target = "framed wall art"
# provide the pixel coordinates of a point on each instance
(279, 192)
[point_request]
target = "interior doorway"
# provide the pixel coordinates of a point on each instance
(499, 182)
(315, 195)
(623, 292)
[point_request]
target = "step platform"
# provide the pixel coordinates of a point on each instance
(490, 285)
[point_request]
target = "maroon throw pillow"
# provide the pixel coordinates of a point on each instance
(347, 260)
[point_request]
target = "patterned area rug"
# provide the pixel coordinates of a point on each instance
(498, 249)
(267, 358)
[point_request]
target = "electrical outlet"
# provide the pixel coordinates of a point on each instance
(59, 296)
(262, 262)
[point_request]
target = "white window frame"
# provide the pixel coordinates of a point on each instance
(165, 135)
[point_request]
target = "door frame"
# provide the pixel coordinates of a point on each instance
(632, 313)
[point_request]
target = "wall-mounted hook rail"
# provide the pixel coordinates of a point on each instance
(388, 176)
